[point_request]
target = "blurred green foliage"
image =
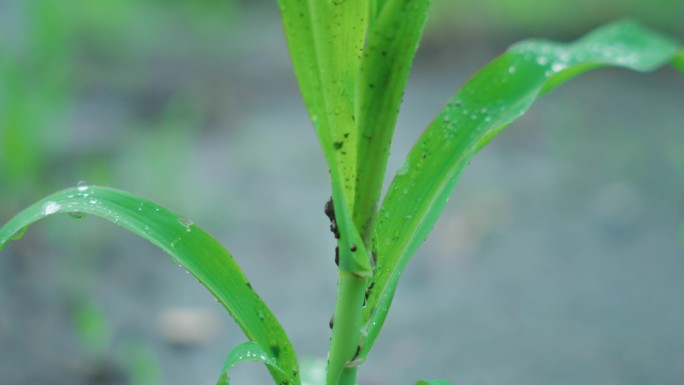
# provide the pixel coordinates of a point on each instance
(34, 95)
(81, 80)
(551, 18)
(90, 90)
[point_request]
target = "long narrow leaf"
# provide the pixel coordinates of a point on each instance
(246, 352)
(392, 43)
(326, 39)
(195, 249)
(487, 103)
(299, 22)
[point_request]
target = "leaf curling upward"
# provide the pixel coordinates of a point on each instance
(497, 95)
(200, 253)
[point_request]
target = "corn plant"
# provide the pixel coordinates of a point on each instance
(352, 61)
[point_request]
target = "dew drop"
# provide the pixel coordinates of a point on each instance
(185, 222)
(76, 215)
(82, 186)
(404, 168)
(18, 234)
(542, 60)
(557, 67)
(512, 69)
(51, 207)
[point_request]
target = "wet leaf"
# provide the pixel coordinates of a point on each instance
(189, 245)
(325, 40)
(246, 352)
(501, 92)
(391, 45)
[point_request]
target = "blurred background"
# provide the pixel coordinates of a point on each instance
(557, 261)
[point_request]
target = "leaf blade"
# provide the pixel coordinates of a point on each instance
(325, 40)
(390, 48)
(246, 352)
(500, 93)
(188, 244)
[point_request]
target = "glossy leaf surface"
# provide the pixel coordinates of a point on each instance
(487, 103)
(189, 245)
(246, 352)
(326, 39)
(391, 45)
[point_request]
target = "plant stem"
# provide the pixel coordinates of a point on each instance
(344, 342)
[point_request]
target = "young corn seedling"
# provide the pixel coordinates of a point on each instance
(352, 60)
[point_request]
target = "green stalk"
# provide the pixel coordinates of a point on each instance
(344, 343)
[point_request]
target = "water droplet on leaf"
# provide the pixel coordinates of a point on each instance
(404, 168)
(557, 67)
(185, 222)
(51, 207)
(18, 234)
(76, 215)
(542, 60)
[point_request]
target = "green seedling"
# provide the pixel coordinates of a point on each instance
(352, 60)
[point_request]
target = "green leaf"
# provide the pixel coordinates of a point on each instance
(433, 382)
(487, 103)
(189, 245)
(391, 45)
(325, 40)
(245, 352)
(299, 22)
